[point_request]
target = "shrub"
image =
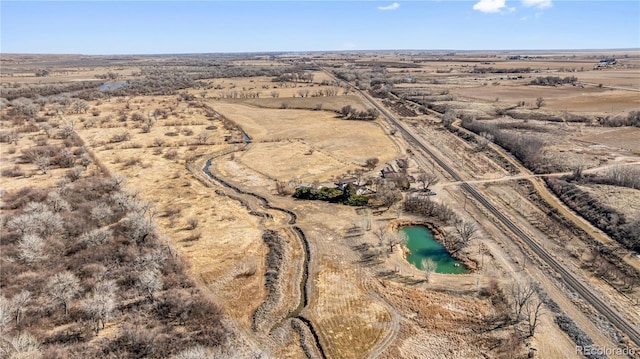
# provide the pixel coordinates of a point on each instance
(120, 137)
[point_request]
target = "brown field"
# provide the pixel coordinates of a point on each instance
(359, 308)
(626, 138)
(567, 98)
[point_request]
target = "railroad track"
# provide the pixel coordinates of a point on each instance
(576, 285)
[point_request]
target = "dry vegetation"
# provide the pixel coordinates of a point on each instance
(170, 213)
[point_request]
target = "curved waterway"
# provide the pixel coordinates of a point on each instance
(421, 245)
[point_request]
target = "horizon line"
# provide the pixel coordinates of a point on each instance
(301, 52)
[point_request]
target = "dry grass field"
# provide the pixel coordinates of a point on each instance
(337, 291)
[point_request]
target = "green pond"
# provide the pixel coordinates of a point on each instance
(422, 245)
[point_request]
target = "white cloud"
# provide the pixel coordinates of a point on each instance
(540, 4)
(490, 6)
(393, 6)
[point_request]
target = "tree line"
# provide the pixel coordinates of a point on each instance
(527, 149)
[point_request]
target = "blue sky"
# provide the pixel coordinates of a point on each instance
(157, 27)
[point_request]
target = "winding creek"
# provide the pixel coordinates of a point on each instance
(299, 233)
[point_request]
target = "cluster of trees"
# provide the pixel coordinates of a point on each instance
(24, 107)
(553, 80)
(295, 76)
(623, 176)
(632, 119)
(111, 75)
(528, 149)
(42, 72)
(168, 79)
(520, 306)
(424, 206)
(244, 94)
(351, 113)
(273, 275)
(602, 216)
(493, 70)
(42, 90)
(347, 196)
(85, 255)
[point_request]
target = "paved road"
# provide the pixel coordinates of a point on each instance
(629, 329)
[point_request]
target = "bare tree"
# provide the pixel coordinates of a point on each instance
(19, 302)
(366, 219)
(121, 200)
(150, 282)
(449, 118)
(576, 170)
(380, 233)
(63, 287)
(5, 315)
(151, 261)
(197, 352)
(24, 107)
(46, 128)
(31, 248)
(284, 188)
(465, 230)
(203, 137)
(75, 173)
(192, 223)
(116, 182)
(22, 224)
(389, 196)
(532, 311)
(67, 130)
(26, 346)
(158, 141)
(371, 163)
(464, 233)
(625, 176)
(427, 179)
(96, 237)
(85, 160)
(43, 162)
(101, 213)
(484, 140)
(79, 107)
(520, 294)
(540, 102)
(57, 203)
(100, 304)
(12, 137)
(392, 240)
(147, 124)
(139, 226)
(47, 223)
(428, 266)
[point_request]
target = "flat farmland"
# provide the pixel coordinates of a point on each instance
(626, 138)
(576, 99)
(347, 141)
